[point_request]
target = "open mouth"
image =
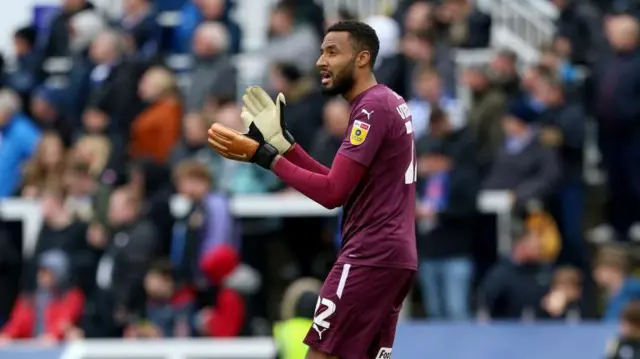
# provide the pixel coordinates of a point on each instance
(325, 77)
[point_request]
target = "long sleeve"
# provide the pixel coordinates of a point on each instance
(20, 324)
(227, 316)
(330, 190)
(299, 157)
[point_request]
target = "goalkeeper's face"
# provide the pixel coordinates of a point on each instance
(337, 64)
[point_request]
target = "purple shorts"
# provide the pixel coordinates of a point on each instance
(358, 310)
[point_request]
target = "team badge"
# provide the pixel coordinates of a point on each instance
(359, 132)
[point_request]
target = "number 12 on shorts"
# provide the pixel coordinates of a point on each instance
(320, 320)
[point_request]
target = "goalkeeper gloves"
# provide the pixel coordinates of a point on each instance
(265, 119)
(236, 146)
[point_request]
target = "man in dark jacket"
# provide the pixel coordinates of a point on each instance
(581, 24)
(114, 81)
(615, 88)
(446, 216)
(562, 128)
(121, 270)
(523, 165)
(58, 42)
(514, 287)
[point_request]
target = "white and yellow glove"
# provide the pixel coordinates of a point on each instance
(261, 114)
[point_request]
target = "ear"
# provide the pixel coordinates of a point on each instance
(363, 58)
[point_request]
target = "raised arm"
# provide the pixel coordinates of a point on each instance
(299, 157)
(331, 190)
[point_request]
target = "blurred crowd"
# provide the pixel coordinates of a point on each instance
(138, 237)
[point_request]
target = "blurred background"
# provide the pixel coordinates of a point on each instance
(118, 224)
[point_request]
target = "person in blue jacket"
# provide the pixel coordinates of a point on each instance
(19, 138)
(195, 12)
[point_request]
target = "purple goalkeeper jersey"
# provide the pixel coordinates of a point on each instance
(378, 224)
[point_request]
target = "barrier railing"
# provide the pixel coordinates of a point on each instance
(522, 26)
(414, 340)
(259, 206)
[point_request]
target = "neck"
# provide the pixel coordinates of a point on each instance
(62, 220)
(360, 87)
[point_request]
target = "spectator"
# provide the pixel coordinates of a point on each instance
(114, 81)
(195, 12)
(304, 101)
(128, 253)
(564, 299)
(430, 93)
(51, 309)
(610, 273)
(48, 109)
(423, 48)
(28, 73)
(312, 13)
(194, 145)
(46, 166)
(205, 224)
(296, 316)
(567, 72)
(504, 73)
(102, 157)
(87, 198)
(86, 27)
(488, 105)
(580, 24)
(58, 42)
(169, 314)
(20, 140)
(213, 74)
(224, 317)
(156, 130)
(627, 345)
(142, 32)
(523, 166)
(514, 287)
(463, 24)
(614, 85)
(445, 213)
(63, 231)
(153, 183)
(419, 15)
(328, 138)
(202, 223)
(292, 43)
(563, 128)
(11, 261)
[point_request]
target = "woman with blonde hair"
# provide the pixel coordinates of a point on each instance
(95, 150)
(156, 130)
(47, 165)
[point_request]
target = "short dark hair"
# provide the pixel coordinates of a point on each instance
(28, 34)
(363, 36)
(162, 267)
(631, 313)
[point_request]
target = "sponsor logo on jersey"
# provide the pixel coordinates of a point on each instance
(384, 353)
(359, 132)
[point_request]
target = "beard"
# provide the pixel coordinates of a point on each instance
(342, 82)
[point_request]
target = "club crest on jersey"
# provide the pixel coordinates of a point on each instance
(359, 132)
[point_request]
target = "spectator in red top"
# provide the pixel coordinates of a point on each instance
(53, 308)
(225, 318)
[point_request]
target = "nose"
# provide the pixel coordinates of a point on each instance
(322, 62)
